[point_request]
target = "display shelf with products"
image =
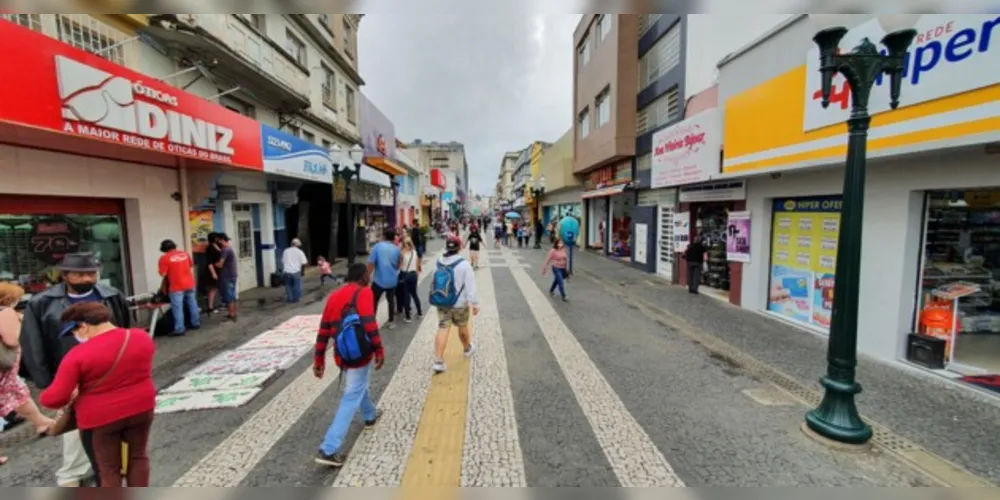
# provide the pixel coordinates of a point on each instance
(712, 225)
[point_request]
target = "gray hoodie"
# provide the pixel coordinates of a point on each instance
(465, 280)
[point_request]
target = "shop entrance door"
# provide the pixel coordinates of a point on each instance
(243, 221)
(665, 248)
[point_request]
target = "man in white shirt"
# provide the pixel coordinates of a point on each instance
(292, 261)
(459, 312)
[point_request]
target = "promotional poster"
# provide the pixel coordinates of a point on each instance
(738, 237)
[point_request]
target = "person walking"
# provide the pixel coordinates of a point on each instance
(176, 268)
(417, 235)
(43, 346)
(475, 240)
(293, 259)
(349, 320)
(559, 261)
(107, 382)
(324, 269)
(14, 394)
(228, 271)
(410, 268)
(383, 265)
(539, 231)
(453, 293)
(695, 257)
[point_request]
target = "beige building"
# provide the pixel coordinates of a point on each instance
(562, 188)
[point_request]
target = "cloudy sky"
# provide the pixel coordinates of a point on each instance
(493, 82)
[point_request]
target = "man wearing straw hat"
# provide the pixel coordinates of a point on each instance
(43, 347)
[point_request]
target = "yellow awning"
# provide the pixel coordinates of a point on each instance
(385, 165)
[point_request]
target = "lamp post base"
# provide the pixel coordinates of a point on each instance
(836, 418)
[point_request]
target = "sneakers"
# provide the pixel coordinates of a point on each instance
(408, 320)
(439, 367)
(370, 424)
(391, 325)
(565, 298)
(470, 351)
(332, 460)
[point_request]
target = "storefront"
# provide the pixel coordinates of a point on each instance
(708, 207)
(608, 207)
(84, 172)
(663, 203)
(372, 201)
(931, 215)
(556, 212)
(300, 178)
(378, 137)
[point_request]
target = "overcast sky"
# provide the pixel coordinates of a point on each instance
(492, 82)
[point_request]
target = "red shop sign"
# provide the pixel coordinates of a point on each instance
(438, 179)
(51, 85)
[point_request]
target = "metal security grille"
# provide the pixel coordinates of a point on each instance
(665, 266)
(81, 31)
(662, 57)
(32, 21)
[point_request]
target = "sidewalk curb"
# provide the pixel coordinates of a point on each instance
(940, 470)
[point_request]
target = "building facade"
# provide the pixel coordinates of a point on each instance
(562, 188)
(449, 159)
(932, 205)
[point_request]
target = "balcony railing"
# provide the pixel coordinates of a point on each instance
(83, 32)
(253, 47)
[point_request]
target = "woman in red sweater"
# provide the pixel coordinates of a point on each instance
(107, 379)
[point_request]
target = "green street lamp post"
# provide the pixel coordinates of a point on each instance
(347, 166)
(837, 417)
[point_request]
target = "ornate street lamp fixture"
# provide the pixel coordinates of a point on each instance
(536, 194)
(837, 417)
(347, 166)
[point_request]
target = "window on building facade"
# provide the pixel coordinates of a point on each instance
(87, 33)
(661, 58)
(30, 21)
(296, 48)
(349, 99)
(292, 129)
(661, 111)
(309, 137)
(259, 21)
(329, 88)
(603, 27)
(238, 106)
(583, 123)
(644, 162)
(603, 105)
(327, 145)
(646, 21)
(347, 39)
(583, 52)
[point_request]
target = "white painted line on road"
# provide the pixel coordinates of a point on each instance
(230, 462)
(491, 455)
(631, 453)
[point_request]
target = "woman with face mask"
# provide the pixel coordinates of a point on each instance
(107, 382)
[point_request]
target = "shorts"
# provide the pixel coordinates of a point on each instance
(227, 291)
(448, 316)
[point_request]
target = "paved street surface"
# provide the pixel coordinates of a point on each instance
(605, 390)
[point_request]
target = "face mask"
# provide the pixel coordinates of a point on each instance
(82, 288)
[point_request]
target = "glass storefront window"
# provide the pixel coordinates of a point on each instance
(31, 247)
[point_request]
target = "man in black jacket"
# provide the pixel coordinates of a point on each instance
(43, 348)
(418, 239)
(695, 257)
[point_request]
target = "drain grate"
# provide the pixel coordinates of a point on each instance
(883, 438)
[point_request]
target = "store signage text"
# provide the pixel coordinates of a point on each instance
(687, 152)
(98, 104)
(289, 156)
(946, 45)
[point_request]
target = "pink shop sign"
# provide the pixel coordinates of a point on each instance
(687, 152)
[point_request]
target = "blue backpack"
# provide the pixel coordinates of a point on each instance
(443, 291)
(353, 344)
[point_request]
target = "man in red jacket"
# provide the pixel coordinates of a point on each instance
(356, 375)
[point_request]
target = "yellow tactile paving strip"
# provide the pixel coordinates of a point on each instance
(436, 457)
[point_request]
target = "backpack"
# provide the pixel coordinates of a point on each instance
(443, 291)
(352, 344)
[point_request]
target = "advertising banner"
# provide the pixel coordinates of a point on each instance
(378, 136)
(738, 237)
(201, 222)
(687, 152)
(946, 45)
(287, 155)
(804, 240)
(682, 231)
(57, 87)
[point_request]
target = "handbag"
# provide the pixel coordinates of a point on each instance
(66, 420)
(8, 355)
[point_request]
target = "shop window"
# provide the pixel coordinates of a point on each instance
(32, 245)
(712, 223)
(804, 236)
(962, 257)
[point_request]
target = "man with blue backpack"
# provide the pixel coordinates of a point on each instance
(349, 319)
(453, 293)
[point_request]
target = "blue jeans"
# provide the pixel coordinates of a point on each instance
(558, 275)
(178, 300)
(293, 287)
(356, 395)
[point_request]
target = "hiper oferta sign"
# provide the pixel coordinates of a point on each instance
(952, 54)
